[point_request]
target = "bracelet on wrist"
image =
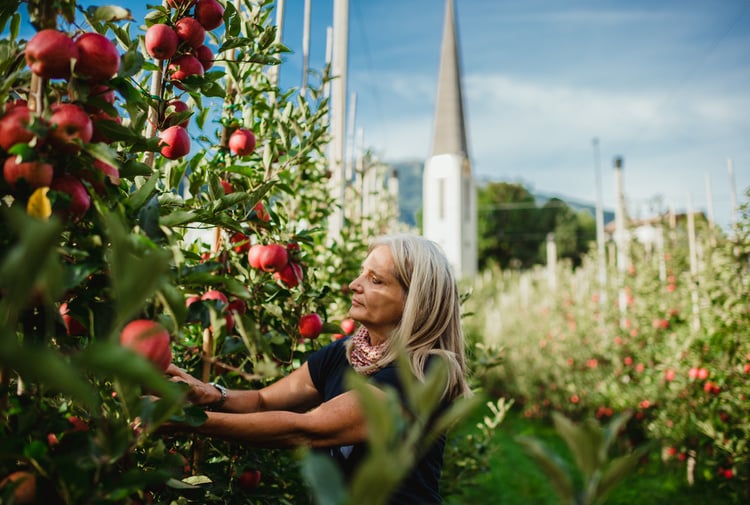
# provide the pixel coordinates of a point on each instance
(219, 403)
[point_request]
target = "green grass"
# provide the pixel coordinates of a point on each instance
(513, 478)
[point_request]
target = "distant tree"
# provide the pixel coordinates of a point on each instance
(512, 229)
(508, 226)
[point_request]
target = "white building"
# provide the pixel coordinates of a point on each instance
(449, 214)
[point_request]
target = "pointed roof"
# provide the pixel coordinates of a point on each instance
(450, 132)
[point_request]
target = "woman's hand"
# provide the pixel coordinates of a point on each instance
(199, 392)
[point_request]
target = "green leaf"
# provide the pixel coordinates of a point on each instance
(111, 13)
(102, 152)
(554, 466)
(39, 365)
(110, 360)
(31, 260)
(140, 196)
(617, 470)
(375, 405)
(131, 291)
(324, 478)
(584, 441)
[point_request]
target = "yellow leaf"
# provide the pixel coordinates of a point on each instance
(39, 205)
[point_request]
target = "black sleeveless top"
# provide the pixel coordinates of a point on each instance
(328, 367)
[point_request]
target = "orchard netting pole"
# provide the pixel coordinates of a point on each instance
(693, 265)
(621, 239)
(338, 115)
(273, 72)
(732, 193)
(601, 254)
(305, 47)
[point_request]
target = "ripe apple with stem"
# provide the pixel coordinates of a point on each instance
(175, 142)
(14, 127)
(190, 32)
(149, 339)
(49, 54)
(310, 326)
(273, 257)
(36, 173)
(161, 41)
(71, 126)
(98, 58)
(209, 13)
(182, 67)
(80, 200)
(242, 142)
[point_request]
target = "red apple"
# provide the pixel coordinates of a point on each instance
(24, 487)
(150, 340)
(310, 326)
(209, 13)
(175, 107)
(37, 174)
(16, 102)
(273, 258)
(228, 188)
(215, 294)
(161, 41)
(70, 125)
(249, 479)
(98, 58)
(97, 117)
(80, 201)
(260, 213)
(291, 275)
(190, 31)
(240, 243)
(175, 142)
(108, 172)
(183, 66)
(14, 127)
(237, 305)
(348, 325)
(253, 255)
(104, 92)
(72, 326)
(242, 142)
(206, 56)
(49, 54)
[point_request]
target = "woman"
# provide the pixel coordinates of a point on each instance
(405, 297)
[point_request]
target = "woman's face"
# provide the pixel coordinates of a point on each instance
(377, 296)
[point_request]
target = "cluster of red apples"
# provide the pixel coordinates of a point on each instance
(277, 259)
(182, 46)
(90, 59)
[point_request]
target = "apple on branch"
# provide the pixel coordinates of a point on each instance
(209, 13)
(49, 54)
(98, 58)
(70, 125)
(161, 41)
(149, 339)
(14, 127)
(175, 142)
(242, 142)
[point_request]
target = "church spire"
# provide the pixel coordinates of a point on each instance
(450, 132)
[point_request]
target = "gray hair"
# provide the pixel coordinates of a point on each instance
(431, 321)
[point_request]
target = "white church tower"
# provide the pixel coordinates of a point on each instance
(449, 208)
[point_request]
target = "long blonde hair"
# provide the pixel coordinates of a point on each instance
(431, 320)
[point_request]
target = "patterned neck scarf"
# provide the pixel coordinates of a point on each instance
(364, 354)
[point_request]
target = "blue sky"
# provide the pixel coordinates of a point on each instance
(664, 84)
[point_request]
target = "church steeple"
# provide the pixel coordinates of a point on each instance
(450, 132)
(449, 209)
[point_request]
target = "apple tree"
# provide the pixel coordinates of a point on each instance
(143, 160)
